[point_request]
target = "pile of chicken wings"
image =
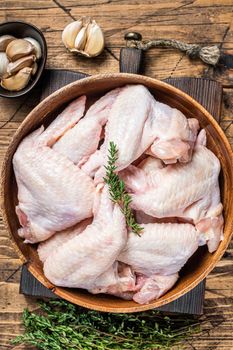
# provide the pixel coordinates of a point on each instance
(65, 206)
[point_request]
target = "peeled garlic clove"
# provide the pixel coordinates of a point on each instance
(70, 32)
(36, 45)
(19, 48)
(80, 40)
(3, 64)
(34, 68)
(21, 63)
(5, 40)
(18, 81)
(95, 40)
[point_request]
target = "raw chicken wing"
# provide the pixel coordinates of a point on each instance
(157, 257)
(53, 193)
(83, 259)
(138, 122)
(49, 246)
(79, 142)
(189, 191)
(162, 249)
(64, 121)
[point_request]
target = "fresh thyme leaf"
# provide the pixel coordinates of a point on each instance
(64, 326)
(117, 189)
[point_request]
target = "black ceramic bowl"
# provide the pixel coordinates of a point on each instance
(21, 30)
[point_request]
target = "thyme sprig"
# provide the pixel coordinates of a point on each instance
(64, 326)
(117, 189)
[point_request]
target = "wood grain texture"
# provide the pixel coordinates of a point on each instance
(204, 22)
(131, 60)
(200, 21)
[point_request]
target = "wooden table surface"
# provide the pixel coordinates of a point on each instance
(193, 21)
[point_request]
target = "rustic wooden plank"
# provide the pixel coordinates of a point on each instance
(131, 60)
(207, 92)
(194, 22)
(25, 4)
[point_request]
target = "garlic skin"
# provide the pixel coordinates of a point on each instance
(36, 45)
(18, 81)
(21, 63)
(19, 48)
(84, 37)
(3, 64)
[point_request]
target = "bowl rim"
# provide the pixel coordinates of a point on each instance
(43, 60)
(61, 292)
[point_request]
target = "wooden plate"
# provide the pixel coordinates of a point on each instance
(200, 264)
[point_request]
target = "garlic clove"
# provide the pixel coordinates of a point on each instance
(18, 81)
(34, 68)
(21, 63)
(5, 40)
(19, 48)
(95, 40)
(3, 64)
(80, 40)
(70, 32)
(36, 45)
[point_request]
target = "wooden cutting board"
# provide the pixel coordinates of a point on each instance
(209, 94)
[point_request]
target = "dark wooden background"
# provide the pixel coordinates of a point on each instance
(201, 21)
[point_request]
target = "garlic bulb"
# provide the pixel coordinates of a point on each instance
(84, 37)
(3, 64)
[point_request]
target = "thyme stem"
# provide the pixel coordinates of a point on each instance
(117, 189)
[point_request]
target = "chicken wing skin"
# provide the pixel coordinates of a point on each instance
(49, 246)
(118, 280)
(53, 193)
(154, 287)
(157, 257)
(162, 249)
(189, 191)
(79, 142)
(83, 259)
(64, 121)
(136, 123)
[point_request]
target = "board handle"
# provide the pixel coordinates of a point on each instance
(131, 59)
